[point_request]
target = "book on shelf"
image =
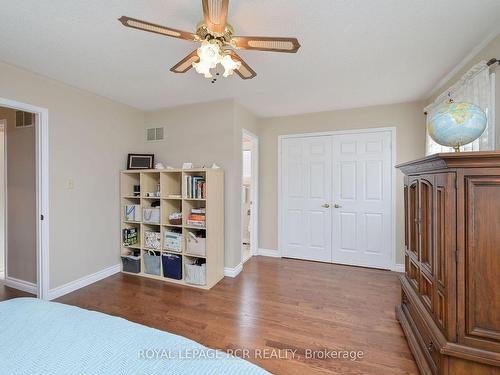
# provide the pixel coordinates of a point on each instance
(195, 187)
(196, 223)
(197, 217)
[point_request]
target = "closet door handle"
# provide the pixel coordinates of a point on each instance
(337, 205)
(326, 205)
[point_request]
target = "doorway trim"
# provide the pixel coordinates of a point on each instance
(3, 127)
(42, 192)
(392, 130)
(254, 236)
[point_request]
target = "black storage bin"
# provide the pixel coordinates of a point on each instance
(132, 263)
(172, 266)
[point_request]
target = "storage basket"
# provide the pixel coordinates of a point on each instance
(172, 241)
(196, 244)
(196, 271)
(152, 262)
(175, 218)
(131, 263)
(151, 215)
(132, 212)
(152, 240)
(172, 266)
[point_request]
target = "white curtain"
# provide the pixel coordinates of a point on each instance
(477, 86)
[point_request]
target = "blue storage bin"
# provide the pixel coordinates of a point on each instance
(172, 266)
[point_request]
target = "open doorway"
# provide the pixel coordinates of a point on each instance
(24, 187)
(18, 206)
(3, 126)
(249, 195)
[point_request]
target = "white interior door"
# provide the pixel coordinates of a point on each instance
(362, 199)
(306, 196)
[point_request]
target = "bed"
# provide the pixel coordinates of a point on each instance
(39, 337)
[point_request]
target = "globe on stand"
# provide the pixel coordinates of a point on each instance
(457, 124)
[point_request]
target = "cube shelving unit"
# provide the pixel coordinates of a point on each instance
(171, 183)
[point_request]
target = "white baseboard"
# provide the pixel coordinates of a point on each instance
(269, 253)
(25, 286)
(233, 272)
(398, 268)
(83, 282)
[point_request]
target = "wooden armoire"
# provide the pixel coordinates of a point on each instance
(450, 298)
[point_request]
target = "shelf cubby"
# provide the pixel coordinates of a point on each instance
(150, 182)
(127, 182)
(171, 185)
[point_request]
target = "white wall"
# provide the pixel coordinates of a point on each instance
(90, 137)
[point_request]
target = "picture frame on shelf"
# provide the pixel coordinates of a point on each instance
(140, 161)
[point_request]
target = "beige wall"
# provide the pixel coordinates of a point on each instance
(492, 50)
(89, 139)
(407, 118)
(21, 199)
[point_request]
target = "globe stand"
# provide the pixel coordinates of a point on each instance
(457, 148)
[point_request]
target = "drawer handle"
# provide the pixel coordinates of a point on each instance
(430, 347)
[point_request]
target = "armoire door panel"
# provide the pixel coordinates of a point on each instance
(413, 217)
(425, 221)
(440, 234)
(482, 260)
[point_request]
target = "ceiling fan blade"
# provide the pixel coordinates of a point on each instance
(157, 29)
(186, 63)
(245, 72)
(215, 15)
(264, 43)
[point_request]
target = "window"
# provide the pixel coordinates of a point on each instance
(477, 86)
(247, 163)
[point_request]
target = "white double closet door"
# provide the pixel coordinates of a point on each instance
(336, 198)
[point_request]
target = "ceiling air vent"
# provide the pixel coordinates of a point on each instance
(154, 134)
(24, 119)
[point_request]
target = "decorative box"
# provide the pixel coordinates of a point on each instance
(196, 245)
(175, 218)
(132, 212)
(196, 271)
(172, 241)
(152, 240)
(151, 215)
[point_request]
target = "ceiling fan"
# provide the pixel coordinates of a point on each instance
(218, 42)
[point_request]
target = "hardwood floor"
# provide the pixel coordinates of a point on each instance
(273, 304)
(9, 293)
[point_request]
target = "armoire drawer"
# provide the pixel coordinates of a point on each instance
(417, 319)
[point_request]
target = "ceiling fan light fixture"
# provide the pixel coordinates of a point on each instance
(218, 42)
(203, 67)
(209, 53)
(229, 65)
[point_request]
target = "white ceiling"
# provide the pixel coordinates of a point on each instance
(354, 52)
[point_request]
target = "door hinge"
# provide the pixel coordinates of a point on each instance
(42, 217)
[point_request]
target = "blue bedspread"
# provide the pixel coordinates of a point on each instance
(38, 337)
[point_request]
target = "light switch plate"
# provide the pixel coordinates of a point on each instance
(70, 184)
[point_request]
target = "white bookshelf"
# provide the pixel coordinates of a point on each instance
(172, 199)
